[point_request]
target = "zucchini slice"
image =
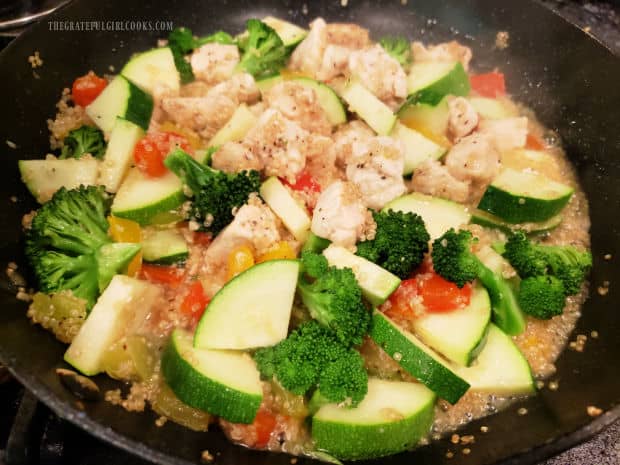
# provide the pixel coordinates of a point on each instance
(372, 110)
(121, 98)
(124, 301)
(376, 283)
(44, 177)
(523, 197)
(236, 128)
(293, 215)
(500, 368)
(119, 153)
(221, 382)
(142, 198)
(491, 221)
(459, 335)
(430, 82)
(439, 215)
(290, 34)
(392, 418)
(328, 99)
(164, 247)
(418, 148)
(252, 310)
(417, 359)
(152, 68)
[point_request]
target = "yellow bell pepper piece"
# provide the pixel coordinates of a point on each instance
(240, 259)
(282, 250)
(122, 230)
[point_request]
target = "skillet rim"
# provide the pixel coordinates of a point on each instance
(68, 412)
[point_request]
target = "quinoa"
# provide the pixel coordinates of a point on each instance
(67, 118)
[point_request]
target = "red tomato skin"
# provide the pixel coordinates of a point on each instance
(490, 85)
(265, 423)
(195, 302)
(87, 88)
(150, 151)
(170, 275)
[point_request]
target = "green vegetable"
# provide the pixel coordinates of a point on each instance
(264, 53)
(399, 244)
(565, 262)
(312, 356)
(398, 48)
(85, 139)
(334, 298)
(215, 193)
(454, 261)
(68, 246)
(181, 42)
(542, 296)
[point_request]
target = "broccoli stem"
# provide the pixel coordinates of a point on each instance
(507, 314)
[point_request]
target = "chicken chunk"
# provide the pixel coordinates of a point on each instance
(379, 72)
(340, 215)
(254, 224)
(447, 51)
(432, 178)
(206, 115)
(324, 53)
(376, 168)
(233, 157)
(334, 63)
(300, 104)
(463, 118)
(308, 55)
(320, 165)
(213, 63)
(279, 143)
(507, 133)
(345, 136)
(474, 159)
(347, 35)
(241, 87)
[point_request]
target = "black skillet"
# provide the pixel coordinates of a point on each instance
(571, 82)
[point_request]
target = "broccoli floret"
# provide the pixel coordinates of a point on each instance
(312, 355)
(454, 261)
(523, 257)
(83, 140)
(181, 42)
(400, 242)
(215, 193)
(264, 53)
(398, 48)
(68, 246)
(542, 296)
(314, 264)
(334, 298)
(565, 262)
(345, 379)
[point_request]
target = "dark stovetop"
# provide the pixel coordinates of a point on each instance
(31, 434)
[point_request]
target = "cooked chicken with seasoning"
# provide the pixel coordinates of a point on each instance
(293, 223)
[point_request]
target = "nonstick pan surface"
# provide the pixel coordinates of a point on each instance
(571, 82)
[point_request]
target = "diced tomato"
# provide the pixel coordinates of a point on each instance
(171, 275)
(402, 302)
(195, 302)
(265, 423)
(87, 88)
(534, 143)
(150, 151)
(429, 290)
(440, 295)
(490, 85)
(202, 238)
(304, 182)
